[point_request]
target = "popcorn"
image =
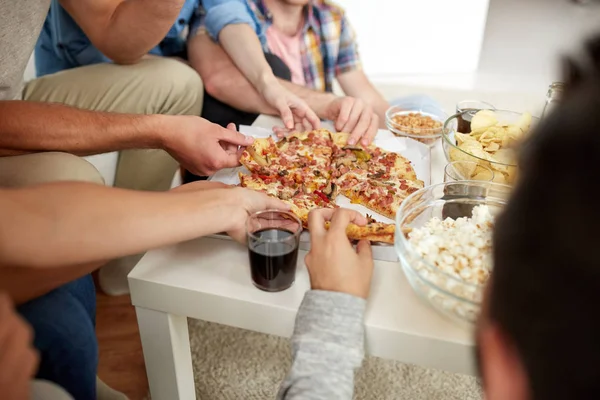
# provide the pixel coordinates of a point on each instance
(461, 248)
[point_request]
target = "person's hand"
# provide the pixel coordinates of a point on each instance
(294, 112)
(18, 359)
(354, 116)
(244, 202)
(202, 147)
(332, 262)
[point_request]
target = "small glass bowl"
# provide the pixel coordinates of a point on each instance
(446, 293)
(428, 136)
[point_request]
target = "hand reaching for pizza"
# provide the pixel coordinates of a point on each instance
(349, 114)
(202, 147)
(18, 359)
(243, 203)
(294, 111)
(333, 264)
(353, 116)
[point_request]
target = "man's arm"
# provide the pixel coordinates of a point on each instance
(200, 146)
(54, 233)
(327, 347)
(226, 83)
(356, 84)
(328, 339)
(123, 30)
(28, 127)
(223, 80)
(77, 223)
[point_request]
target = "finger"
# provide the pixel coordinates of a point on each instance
(303, 113)
(234, 137)
(231, 127)
(286, 114)
(306, 125)
(362, 126)
(226, 160)
(342, 217)
(344, 114)
(313, 119)
(371, 132)
(357, 112)
(316, 221)
(280, 131)
(365, 252)
(276, 204)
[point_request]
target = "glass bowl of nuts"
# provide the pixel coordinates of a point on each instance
(416, 120)
(444, 243)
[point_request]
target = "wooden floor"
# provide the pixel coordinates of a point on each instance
(121, 359)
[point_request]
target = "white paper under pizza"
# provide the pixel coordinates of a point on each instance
(414, 151)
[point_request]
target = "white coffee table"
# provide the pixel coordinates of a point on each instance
(209, 279)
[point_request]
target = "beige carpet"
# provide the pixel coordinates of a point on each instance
(231, 363)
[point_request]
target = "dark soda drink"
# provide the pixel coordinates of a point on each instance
(273, 256)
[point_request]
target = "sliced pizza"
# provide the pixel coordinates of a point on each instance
(381, 196)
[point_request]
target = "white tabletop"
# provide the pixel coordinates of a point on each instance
(209, 279)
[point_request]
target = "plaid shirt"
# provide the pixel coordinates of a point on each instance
(329, 45)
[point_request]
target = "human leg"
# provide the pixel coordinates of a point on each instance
(154, 86)
(63, 324)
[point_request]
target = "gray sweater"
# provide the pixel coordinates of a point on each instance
(327, 347)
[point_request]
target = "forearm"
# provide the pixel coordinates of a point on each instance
(243, 47)
(327, 346)
(63, 224)
(125, 30)
(224, 81)
(27, 127)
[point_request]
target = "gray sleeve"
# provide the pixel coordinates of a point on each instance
(327, 347)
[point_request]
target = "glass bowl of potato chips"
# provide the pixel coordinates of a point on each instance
(492, 139)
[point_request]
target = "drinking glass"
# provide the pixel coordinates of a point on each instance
(273, 239)
(467, 109)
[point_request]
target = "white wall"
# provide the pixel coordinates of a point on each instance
(499, 45)
(524, 39)
(406, 37)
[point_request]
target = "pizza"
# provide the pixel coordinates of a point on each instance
(309, 170)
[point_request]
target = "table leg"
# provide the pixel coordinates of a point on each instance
(167, 354)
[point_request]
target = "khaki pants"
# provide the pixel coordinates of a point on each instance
(153, 86)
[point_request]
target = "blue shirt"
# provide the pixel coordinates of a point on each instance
(220, 13)
(63, 45)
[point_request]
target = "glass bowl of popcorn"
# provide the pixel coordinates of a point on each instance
(444, 243)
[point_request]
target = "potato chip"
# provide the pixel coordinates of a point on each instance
(465, 170)
(474, 148)
(492, 147)
(491, 143)
(482, 174)
(483, 120)
(463, 137)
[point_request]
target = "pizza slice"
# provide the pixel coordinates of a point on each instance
(263, 157)
(373, 231)
(273, 185)
(379, 195)
(347, 157)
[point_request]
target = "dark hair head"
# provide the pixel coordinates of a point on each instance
(545, 291)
